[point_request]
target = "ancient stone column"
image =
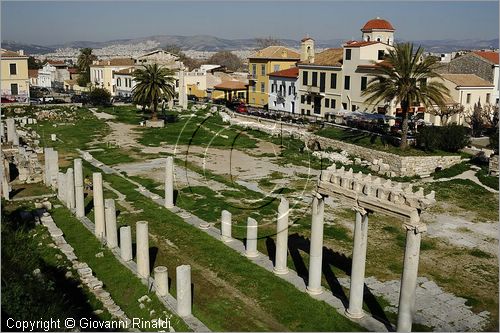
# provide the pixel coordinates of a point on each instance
(5, 180)
(111, 233)
(409, 279)
(316, 250)
(225, 226)
(61, 187)
(252, 236)
(183, 282)
(169, 182)
(79, 195)
(46, 167)
(100, 226)
(142, 245)
(53, 168)
(183, 101)
(161, 280)
(70, 188)
(126, 243)
(11, 129)
(355, 309)
(280, 266)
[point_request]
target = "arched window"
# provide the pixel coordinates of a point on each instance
(367, 38)
(118, 82)
(378, 39)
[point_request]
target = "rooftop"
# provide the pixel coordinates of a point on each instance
(467, 80)
(32, 72)
(488, 55)
(114, 62)
(12, 54)
(377, 24)
(231, 85)
(290, 73)
(275, 52)
(355, 43)
(125, 71)
(328, 57)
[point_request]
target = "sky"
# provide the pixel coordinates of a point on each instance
(48, 23)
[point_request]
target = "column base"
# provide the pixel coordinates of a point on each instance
(280, 271)
(251, 254)
(168, 206)
(225, 239)
(317, 291)
(204, 226)
(354, 315)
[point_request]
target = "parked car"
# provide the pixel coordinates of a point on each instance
(242, 108)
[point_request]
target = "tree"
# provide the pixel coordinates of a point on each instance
(404, 77)
(34, 63)
(446, 112)
(189, 62)
(227, 59)
(264, 42)
(85, 59)
(482, 118)
(100, 97)
(153, 83)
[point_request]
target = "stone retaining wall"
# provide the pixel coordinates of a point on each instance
(381, 162)
(493, 165)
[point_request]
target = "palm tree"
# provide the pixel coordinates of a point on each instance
(404, 76)
(153, 83)
(85, 59)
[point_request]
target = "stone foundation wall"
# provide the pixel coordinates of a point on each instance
(493, 165)
(381, 162)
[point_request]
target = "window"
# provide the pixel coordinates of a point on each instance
(272, 87)
(302, 111)
(119, 82)
(308, 99)
(254, 70)
(302, 99)
(364, 81)
(14, 90)
(344, 106)
(333, 81)
(468, 99)
(322, 80)
(263, 69)
(353, 108)
(291, 89)
(254, 88)
(314, 79)
(381, 55)
(487, 98)
(13, 69)
(276, 68)
(305, 78)
(262, 87)
(347, 82)
(333, 104)
(348, 54)
(327, 102)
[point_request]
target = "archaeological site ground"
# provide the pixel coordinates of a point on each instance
(226, 222)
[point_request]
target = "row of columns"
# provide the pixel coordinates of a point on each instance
(410, 267)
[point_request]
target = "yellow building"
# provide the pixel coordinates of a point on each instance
(15, 81)
(268, 60)
(101, 72)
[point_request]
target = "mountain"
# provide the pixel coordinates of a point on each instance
(212, 43)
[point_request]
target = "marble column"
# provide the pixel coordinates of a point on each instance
(99, 221)
(11, 129)
(316, 250)
(169, 182)
(183, 101)
(53, 168)
(47, 169)
(110, 214)
(280, 266)
(161, 280)
(356, 290)
(409, 278)
(79, 195)
(142, 245)
(61, 187)
(225, 227)
(5, 180)
(70, 188)
(126, 243)
(252, 236)
(183, 282)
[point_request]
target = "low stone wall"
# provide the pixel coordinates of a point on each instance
(381, 162)
(493, 165)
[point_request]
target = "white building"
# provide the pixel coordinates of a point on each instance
(283, 90)
(124, 82)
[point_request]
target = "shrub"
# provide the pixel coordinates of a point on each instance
(494, 141)
(450, 138)
(100, 97)
(454, 137)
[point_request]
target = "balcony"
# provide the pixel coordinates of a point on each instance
(312, 90)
